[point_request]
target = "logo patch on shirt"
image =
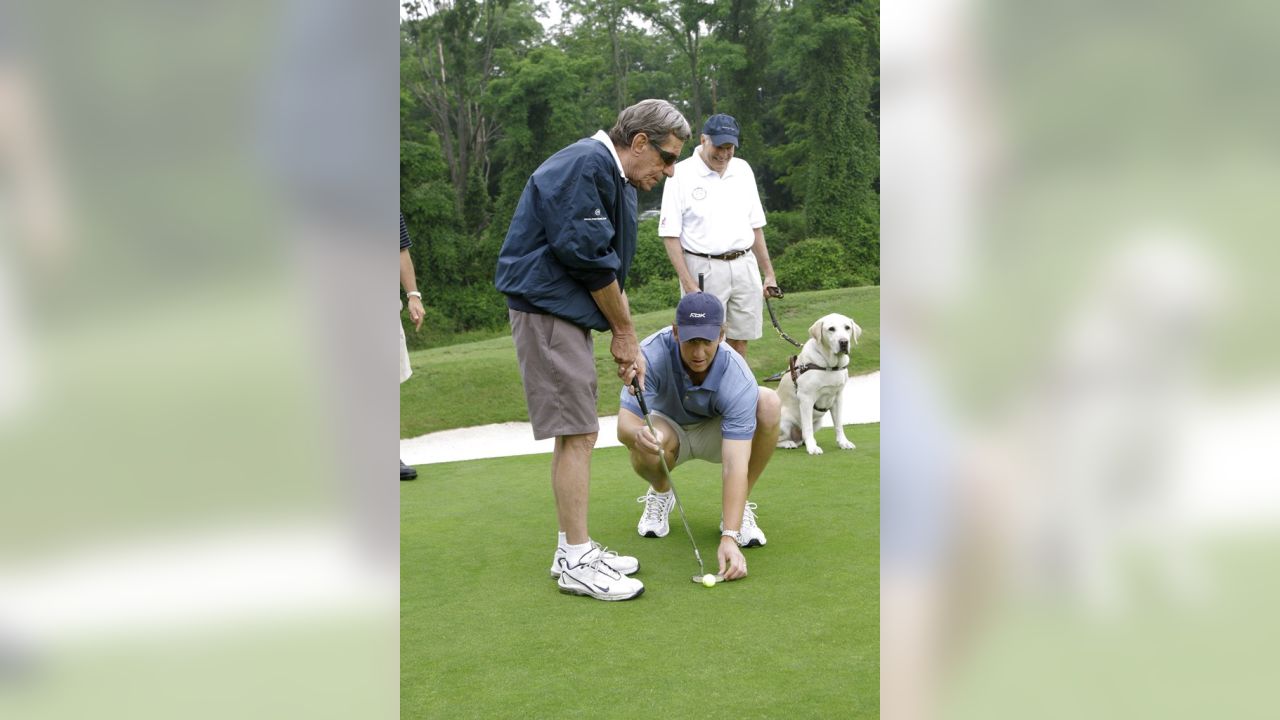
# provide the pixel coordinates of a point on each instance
(699, 193)
(597, 217)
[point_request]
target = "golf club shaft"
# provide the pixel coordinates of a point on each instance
(662, 457)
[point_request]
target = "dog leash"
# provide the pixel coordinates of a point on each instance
(771, 292)
(775, 291)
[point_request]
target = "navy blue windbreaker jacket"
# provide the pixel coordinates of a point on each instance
(573, 232)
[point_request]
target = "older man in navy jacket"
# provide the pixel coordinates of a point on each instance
(563, 268)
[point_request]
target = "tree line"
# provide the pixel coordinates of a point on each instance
(487, 93)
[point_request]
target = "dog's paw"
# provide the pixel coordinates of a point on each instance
(813, 449)
(845, 444)
(788, 444)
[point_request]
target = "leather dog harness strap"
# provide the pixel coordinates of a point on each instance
(727, 256)
(798, 370)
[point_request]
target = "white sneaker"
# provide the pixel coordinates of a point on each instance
(657, 508)
(591, 576)
(751, 535)
(624, 564)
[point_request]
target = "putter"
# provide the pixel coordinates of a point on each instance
(662, 456)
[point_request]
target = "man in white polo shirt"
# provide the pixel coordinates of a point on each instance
(712, 223)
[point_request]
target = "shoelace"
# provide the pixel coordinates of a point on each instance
(605, 552)
(600, 566)
(749, 515)
(654, 506)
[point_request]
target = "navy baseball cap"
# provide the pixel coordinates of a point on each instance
(721, 129)
(699, 315)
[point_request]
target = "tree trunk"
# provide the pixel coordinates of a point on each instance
(692, 44)
(619, 67)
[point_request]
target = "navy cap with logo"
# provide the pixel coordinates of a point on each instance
(699, 315)
(721, 129)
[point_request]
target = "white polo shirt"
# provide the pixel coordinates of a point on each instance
(709, 213)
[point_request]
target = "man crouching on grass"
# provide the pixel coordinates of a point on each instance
(705, 405)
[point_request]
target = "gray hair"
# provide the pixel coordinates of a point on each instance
(655, 118)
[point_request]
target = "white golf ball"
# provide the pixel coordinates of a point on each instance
(709, 580)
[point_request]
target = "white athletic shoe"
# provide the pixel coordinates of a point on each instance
(592, 576)
(657, 508)
(624, 564)
(751, 534)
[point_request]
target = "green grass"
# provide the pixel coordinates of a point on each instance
(479, 383)
(486, 634)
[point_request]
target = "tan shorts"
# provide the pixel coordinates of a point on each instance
(701, 441)
(405, 370)
(738, 286)
(558, 366)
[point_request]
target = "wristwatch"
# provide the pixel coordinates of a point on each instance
(737, 536)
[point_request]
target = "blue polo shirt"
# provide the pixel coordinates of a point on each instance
(729, 391)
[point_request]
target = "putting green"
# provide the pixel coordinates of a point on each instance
(485, 632)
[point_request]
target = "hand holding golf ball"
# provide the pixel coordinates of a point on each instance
(733, 566)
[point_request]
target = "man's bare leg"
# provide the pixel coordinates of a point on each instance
(571, 481)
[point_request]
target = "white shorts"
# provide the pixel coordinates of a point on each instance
(700, 441)
(736, 283)
(405, 370)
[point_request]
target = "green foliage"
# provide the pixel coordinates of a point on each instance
(783, 229)
(821, 263)
(828, 53)
(743, 27)
(651, 263)
(683, 23)
(661, 294)
(425, 192)
(537, 105)
(474, 306)
(449, 55)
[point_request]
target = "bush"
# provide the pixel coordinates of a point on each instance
(785, 228)
(650, 263)
(471, 307)
(821, 263)
(660, 295)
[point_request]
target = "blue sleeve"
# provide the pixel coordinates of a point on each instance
(579, 229)
(738, 405)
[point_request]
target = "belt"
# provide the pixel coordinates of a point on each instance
(727, 256)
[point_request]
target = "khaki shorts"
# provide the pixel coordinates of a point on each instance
(736, 283)
(558, 367)
(405, 370)
(701, 441)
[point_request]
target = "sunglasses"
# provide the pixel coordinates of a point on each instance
(668, 159)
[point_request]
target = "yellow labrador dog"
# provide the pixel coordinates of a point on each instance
(812, 386)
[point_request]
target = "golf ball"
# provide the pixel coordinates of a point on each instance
(709, 580)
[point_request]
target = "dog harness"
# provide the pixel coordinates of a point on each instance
(798, 370)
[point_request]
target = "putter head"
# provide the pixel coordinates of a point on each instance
(697, 579)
